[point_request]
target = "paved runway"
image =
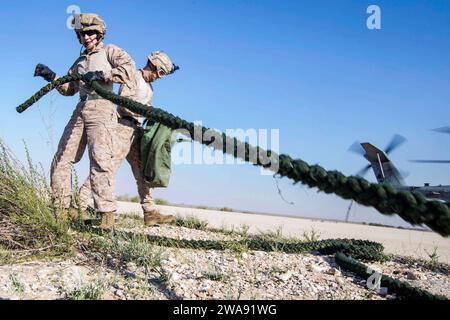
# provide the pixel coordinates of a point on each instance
(404, 242)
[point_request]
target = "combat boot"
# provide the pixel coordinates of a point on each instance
(75, 214)
(107, 220)
(154, 217)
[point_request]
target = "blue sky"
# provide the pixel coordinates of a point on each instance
(311, 69)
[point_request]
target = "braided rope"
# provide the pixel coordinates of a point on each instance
(412, 207)
(44, 90)
(360, 249)
(402, 289)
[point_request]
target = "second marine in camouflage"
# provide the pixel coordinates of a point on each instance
(129, 134)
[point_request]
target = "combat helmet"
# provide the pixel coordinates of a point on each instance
(162, 62)
(87, 22)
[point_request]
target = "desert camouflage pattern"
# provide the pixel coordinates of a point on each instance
(161, 61)
(93, 124)
(128, 146)
(116, 64)
(128, 136)
(142, 94)
(88, 21)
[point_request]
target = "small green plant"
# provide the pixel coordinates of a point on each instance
(276, 270)
(434, 258)
(162, 202)
(127, 198)
(226, 209)
(5, 256)
(237, 248)
(145, 287)
(214, 273)
(231, 296)
(17, 286)
(311, 236)
(130, 220)
(274, 239)
(91, 291)
(76, 200)
(243, 230)
(190, 222)
(129, 247)
(275, 236)
(164, 276)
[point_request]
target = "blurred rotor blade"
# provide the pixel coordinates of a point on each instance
(363, 171)
(404, 173)
(357, 148)
(396, 141)
(430, 161)
(442, 129)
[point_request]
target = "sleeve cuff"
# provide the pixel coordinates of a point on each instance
(107, 75)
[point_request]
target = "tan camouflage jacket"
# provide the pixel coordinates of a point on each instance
(142, 94)
(116, 64)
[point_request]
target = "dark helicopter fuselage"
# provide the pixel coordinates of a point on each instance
(439, 192)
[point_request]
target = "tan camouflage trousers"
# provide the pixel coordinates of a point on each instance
(128, 146)
(93, 123)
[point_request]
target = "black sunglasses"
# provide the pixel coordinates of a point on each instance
(88, 33)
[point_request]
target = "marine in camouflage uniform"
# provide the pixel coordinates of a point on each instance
(94, 121)
(129, 134)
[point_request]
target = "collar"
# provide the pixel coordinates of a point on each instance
(97, 49)
(143, 77)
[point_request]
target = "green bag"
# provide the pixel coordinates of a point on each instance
(156, 145)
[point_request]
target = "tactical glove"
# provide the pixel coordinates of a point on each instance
(45, 72)
(94, 76)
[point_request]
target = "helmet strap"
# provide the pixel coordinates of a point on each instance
(100, 37)
(78, 37)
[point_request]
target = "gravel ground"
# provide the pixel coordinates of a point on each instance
(206, 274)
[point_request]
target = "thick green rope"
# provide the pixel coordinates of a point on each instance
(401, 289)
(361, 249)
(44, 90)
(412, 207)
